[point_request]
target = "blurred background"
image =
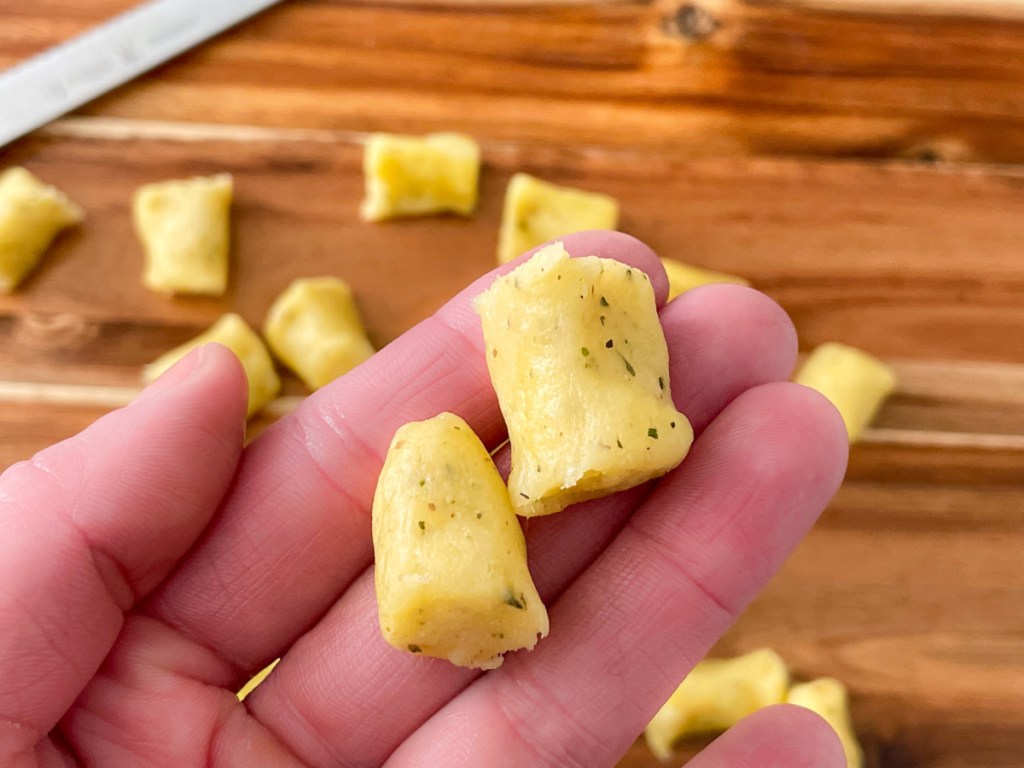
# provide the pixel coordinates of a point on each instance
(857, 160)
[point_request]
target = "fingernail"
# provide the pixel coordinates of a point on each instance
(176, 375)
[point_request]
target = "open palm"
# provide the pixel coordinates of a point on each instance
(150, 565)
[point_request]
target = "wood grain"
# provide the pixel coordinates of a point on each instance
(815, 146)
(916, 263)
(920, 265)
(714, 77)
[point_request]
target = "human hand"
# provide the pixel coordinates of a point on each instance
(149, 565)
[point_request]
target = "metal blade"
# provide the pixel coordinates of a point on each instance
(65, 77)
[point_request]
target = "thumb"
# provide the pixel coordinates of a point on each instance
(94, 523)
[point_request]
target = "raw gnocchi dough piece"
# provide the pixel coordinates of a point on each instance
(184, 227)
(451, 574)
(828, 697)
(855, 382)
(579, 362)
(314, 328)
(537, 211)
(683, 277)
(235, 334)
(31, 215)
(414, 175)
(716, 695)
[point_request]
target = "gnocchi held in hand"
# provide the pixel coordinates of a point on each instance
(450, 557)
(578, 359)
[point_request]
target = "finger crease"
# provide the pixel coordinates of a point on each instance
(322, 472)
(667, 555)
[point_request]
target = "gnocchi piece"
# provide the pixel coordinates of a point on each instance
(579, 362)
(235, 334)
(683, 277)
(314, 328)
(855, 382)
(184, 228)
(31, 216)
(537, 211)
(413, 176)
(828, 697)
(716, 695)
(258, 678)
(451, 574)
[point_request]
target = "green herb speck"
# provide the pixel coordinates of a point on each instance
(601, 318)
(661, 383)
(513, 601)
(609, 344)
(618, 443)
(629, 368)
(422, 483)
(423, 525)
(629, 273)
(672, 424)
(523, 495)
(604, 302)
(584, 351)
(415, 648)
(479, 515)
(652, 432)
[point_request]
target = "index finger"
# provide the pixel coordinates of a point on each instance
(295, 532)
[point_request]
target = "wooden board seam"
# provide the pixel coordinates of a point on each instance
(93, 396)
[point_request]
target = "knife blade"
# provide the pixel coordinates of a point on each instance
(58, 80)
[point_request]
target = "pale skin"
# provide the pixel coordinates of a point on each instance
(150, 565)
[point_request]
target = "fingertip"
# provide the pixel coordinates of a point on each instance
(797, 427)
(209, 379)
(824, 429)
(781, 736)
(724, 339)
(225, 374)
(807, 731)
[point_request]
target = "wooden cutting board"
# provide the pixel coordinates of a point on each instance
(840, 155)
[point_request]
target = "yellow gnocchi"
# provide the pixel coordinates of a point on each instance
(185, 231)
(537, 211)
(235, 334)
(855, 382)
(683, 277)
(32, 214)
(414, 176)
(314, 328)
(579, 362)
(828, 698)
(450, 558)
(716, 695)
